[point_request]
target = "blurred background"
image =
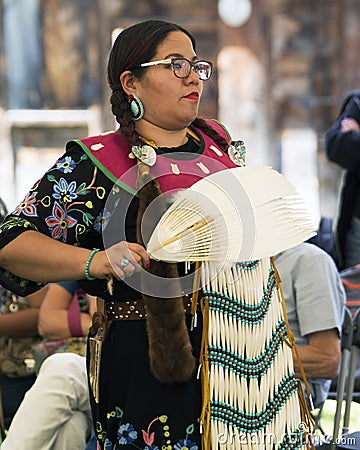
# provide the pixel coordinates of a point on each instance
(282, 68)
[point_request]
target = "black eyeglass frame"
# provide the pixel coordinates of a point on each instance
(172, 62)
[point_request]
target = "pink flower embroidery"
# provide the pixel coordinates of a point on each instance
(148, 437)
(27, 206)
(59, 222)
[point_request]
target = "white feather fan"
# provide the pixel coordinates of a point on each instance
(234, 215)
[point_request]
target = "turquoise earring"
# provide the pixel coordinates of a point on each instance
(136, 107)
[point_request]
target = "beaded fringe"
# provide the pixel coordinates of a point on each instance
(250, 394)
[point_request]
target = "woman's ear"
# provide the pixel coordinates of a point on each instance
(127, 80)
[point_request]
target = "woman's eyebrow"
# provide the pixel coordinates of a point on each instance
(178, 55)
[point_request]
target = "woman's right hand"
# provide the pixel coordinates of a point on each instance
(120, 261)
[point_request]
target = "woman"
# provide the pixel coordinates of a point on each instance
(18, 333)
(342, 144)
(66, 312)
(60, 392)
(145, 391)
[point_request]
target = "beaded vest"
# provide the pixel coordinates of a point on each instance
(111, 153)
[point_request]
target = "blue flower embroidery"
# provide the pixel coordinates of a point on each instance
(126, 434)
(65, 192)
(66, 165)
(185, 444)
(151, 447)
(101, 221)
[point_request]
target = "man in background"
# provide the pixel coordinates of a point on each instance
(315, 299)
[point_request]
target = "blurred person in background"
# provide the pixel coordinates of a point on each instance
(60, 394)
(342, 146)
(315, 299)
(18, 321)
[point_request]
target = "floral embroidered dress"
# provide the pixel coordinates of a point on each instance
(73, 203)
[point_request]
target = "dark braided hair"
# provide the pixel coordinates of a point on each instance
(136, 45)
(208, 130)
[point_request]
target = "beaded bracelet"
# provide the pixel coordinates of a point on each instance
(87, 265)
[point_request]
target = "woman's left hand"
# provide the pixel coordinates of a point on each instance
(120, 260)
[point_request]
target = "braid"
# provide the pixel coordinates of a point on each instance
(207, 129)
(122, 113)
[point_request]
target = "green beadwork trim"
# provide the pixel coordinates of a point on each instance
(248, 265)
(249, 368)
(293, 441)
(252, 423)
(250, 314)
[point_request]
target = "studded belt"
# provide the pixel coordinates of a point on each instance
(134, 309)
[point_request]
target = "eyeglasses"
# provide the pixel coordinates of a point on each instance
(182, 67)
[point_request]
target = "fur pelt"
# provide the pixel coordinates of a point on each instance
(170, 350)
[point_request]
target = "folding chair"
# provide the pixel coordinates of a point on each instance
(347, 354)
(350, 344)
(337, 388)
(352, 440)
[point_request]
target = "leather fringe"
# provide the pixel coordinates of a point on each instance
(306, 417)
(205, 416)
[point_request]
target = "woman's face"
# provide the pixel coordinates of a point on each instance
(169, 102)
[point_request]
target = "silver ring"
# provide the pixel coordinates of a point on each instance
(124, 262)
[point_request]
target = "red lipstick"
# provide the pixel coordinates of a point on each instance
(193, 96)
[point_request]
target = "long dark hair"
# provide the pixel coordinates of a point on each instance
(134, 46)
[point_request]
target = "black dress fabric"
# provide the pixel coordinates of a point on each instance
(137, 410)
